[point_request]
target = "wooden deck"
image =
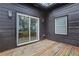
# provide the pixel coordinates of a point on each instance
(43, 48)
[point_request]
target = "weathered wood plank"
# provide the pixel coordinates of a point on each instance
(43, 48)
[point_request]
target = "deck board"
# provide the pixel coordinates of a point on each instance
(43, 48)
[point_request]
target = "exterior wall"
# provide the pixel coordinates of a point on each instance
(72, 11)
(8, 25)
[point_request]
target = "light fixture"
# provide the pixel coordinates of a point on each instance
(10, 13)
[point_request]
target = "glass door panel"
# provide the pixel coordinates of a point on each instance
(34, 29)
(23, 35)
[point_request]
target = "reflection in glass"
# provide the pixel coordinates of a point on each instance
(23, 29)
(33, 29)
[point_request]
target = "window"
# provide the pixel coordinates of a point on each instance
(61, 25)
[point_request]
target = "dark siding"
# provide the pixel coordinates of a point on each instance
(8, 25)
(72, 11)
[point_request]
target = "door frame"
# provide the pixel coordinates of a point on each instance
(17, 31)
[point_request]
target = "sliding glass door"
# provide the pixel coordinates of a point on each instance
(27, 29)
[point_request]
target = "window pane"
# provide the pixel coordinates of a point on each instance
(23, 29)
(61, 25)
(34, 29)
